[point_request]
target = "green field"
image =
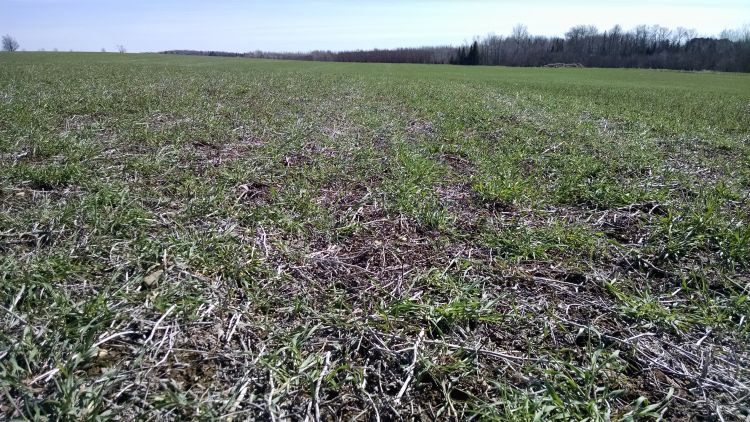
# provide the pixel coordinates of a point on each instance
(206, 238)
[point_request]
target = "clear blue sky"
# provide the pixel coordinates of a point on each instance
(298, 25)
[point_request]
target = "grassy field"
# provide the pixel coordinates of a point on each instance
(210, 238)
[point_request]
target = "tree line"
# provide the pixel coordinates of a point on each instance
(642, 47)
(583, 45)
(422, 55)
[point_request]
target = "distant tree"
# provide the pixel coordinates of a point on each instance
(121, 49)
(468, 56)
(520, 32)
(681, 36)
(581, 31)
(460, 57)
(104, 50)
(9, 43)
(472, 58)
(660, 34)
(737, 35)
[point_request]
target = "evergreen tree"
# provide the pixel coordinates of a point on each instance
(472, 58)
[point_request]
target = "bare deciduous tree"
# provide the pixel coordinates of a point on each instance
(520, 32)
(121, 49)
(737, 35)
(9, 43)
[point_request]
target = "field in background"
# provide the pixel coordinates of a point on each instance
(186, 237)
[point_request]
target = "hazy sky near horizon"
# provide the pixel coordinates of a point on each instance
(299, 25)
